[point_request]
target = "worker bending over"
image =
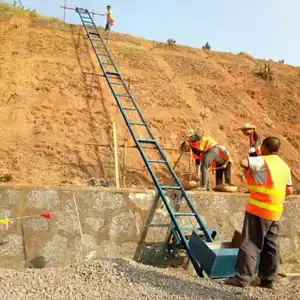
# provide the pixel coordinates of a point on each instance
(206, 151)
(269, 182)
(254, 139)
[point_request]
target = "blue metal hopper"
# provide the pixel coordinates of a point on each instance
(217, 259)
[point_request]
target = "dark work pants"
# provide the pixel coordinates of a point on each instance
(226, 172)
(210, 156)
(260, 240)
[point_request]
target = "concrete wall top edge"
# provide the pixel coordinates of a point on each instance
(121, 190)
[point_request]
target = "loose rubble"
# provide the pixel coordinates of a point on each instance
(124, 279)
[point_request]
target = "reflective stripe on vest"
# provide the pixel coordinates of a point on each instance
(205, 144)
(267, 199)
(223, 153)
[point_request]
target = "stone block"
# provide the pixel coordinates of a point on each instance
(43, 199)
(67, 222)
(95, 223)
(127, 249)
(11, 197)
(55, 250)
(159, 226)
(12, 246)
(6, 212)
(287, 247)
(67, 200)
(142, 201)
(36, 224)
(84, 246)
(285, 226)
(103, 202)
(123, 226)
(236, 221)
(108, 249)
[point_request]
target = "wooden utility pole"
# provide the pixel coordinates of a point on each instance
(116, 155)
(65, 11)
(124, 163)
(190, 164)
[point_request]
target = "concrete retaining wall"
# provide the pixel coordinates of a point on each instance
(114, 223)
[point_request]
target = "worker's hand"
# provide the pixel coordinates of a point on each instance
(252, 150)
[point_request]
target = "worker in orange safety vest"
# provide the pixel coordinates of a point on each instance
(269, 182)
(110, 20)
(249, 130)
(206, 152)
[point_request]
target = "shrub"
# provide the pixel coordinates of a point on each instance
(171, 42)
(17, 7)
(206, 46)
(265, 72)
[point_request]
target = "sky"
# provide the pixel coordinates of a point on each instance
(267, 29)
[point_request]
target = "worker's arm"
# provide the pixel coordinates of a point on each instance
(257, 141)
(289, 187)
(289, 190)
(244, 163)
(184, 147)
(256, 145)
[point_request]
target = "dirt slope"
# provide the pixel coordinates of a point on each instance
(50, 107)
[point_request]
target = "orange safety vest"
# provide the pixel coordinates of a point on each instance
(266, 200)
(110, 18)
(204, 144)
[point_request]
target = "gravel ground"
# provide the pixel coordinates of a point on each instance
(122, 279)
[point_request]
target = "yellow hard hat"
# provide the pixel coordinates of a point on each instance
(192, 132)
(193, 136)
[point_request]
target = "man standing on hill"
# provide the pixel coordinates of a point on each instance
(206, 151)
(110, 21)
(269, 182)
(254, 139)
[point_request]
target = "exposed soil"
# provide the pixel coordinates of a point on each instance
(52, 102)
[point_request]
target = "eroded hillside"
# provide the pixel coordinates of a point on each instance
(53, 102)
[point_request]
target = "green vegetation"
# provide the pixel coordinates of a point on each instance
(171, 42)
(292, 101)
(265, 72)
(18, 9)
(206, 46)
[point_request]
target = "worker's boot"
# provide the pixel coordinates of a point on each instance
(202, 189)
(235, 282)
(267, 284)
